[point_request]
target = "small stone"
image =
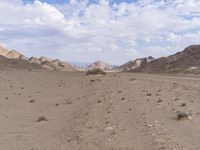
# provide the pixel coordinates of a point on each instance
(122, 98)
(109, 128)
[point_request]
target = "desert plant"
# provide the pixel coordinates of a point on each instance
(182, 116)
(42, 118)
(183, 104)
(32, 101)
(95, 71)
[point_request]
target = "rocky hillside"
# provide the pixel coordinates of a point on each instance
(13, 56)
(6, 63)
(131, 65)
(186, 61)
(100, 65)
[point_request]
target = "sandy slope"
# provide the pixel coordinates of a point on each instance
(111, 112)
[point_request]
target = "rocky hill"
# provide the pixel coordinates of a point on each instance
(187, 60)
(6, 63)
(100, 65)
(131, 65)
(13, 56)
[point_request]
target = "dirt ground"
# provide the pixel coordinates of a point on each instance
(43, 110)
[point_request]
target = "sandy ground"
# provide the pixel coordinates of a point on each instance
(119, 111)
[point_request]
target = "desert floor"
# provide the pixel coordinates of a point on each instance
(42, 110)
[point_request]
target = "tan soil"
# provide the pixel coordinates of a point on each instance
(48, 110)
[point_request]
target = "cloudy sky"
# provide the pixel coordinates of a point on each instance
(111, 30)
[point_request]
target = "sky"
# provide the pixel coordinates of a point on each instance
(114, 31)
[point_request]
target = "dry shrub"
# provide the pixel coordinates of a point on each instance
(42, 118)
(182, 116)
(95, 71)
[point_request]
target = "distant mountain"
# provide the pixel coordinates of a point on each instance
(57, 65)
(79, 64)
(186, 61)
(13, 59)
(16, 54)
(100, 65)
(42, 62)
(131, 65)
(11, 54)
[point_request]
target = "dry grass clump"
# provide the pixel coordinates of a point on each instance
(42, 118)
(183, 116)
(148, 94)
(95, 71)
(32, 101)
(183, 104)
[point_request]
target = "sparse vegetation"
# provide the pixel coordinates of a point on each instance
(148, 94)
(32, 101)
(183, 104)
(42, 118)
(159, 101)
(123, 98)
(92, 80)
(182, 116)
(95, 71)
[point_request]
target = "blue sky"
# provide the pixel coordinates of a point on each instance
(66, 1)
(50, 1)
(112, 31)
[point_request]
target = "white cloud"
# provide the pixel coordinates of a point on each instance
(85, 31)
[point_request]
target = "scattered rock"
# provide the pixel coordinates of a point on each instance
(132, 79)
(176, 99)
(183, 104)
(122, 98)
(109, 128)
(148, 94)
(32, 101)
(98, 80)
(68, 102)
(159, 101)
